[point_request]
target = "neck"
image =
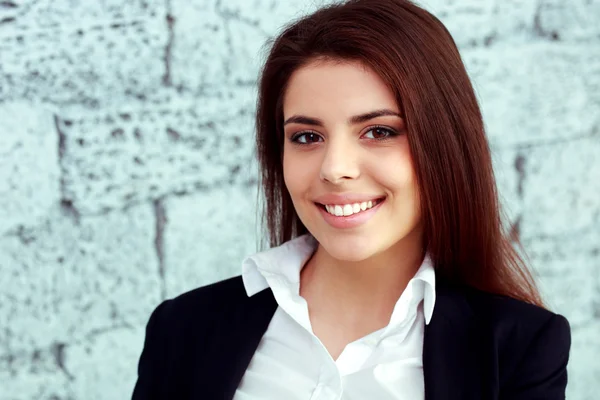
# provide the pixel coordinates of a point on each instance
(355, 290)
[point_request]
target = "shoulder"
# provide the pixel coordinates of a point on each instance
(176, 335)
(203, 302)
(226, 291)
(514, 318)
(193, 315)
(532, 343)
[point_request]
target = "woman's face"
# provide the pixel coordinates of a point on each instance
(346, 149)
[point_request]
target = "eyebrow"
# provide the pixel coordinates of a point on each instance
(356, 119)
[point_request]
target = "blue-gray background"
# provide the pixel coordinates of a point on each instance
(128, 174)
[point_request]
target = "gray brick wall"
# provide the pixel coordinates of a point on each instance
(126, 146)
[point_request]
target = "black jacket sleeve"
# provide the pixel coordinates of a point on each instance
(152, 360)
(542, 372)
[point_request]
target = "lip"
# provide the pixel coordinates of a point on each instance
(351, 221)
(346, 198)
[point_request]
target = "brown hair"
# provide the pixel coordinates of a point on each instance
(415, 55)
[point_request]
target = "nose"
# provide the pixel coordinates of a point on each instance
(340, 161)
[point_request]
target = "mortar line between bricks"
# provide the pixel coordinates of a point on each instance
(61, 143)
(89, 24)
(537, 27)
(66, 204)
(62, 149)
(168, 48)
(520, 161)
(549, 142)
(159, 243)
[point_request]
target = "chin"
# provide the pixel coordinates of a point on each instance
(347, 248)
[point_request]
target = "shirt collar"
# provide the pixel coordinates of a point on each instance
(285, 262)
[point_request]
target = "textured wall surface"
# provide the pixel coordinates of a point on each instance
(127, 169)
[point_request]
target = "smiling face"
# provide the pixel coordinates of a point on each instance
(345, 145)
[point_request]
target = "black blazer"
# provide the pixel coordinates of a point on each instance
(476, 346)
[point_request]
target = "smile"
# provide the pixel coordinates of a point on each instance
(346, 210)
(349, 215)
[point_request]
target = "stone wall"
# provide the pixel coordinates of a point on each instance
(126, 136)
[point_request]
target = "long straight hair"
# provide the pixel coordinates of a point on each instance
(415, 55)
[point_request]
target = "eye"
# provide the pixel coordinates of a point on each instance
(306, 138)
(381, 133)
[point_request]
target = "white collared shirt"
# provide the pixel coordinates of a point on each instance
(291, 363)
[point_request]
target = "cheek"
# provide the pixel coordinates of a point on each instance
(395, 172)
(295, 173)
(406, 188)
(288, 177)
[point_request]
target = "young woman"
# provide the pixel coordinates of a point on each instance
(389, 276)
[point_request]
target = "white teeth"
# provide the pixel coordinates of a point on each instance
(349, 209)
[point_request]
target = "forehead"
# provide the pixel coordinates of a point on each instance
(336, 88)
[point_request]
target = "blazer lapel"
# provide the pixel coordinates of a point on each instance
(452, 358)
(246, 324)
